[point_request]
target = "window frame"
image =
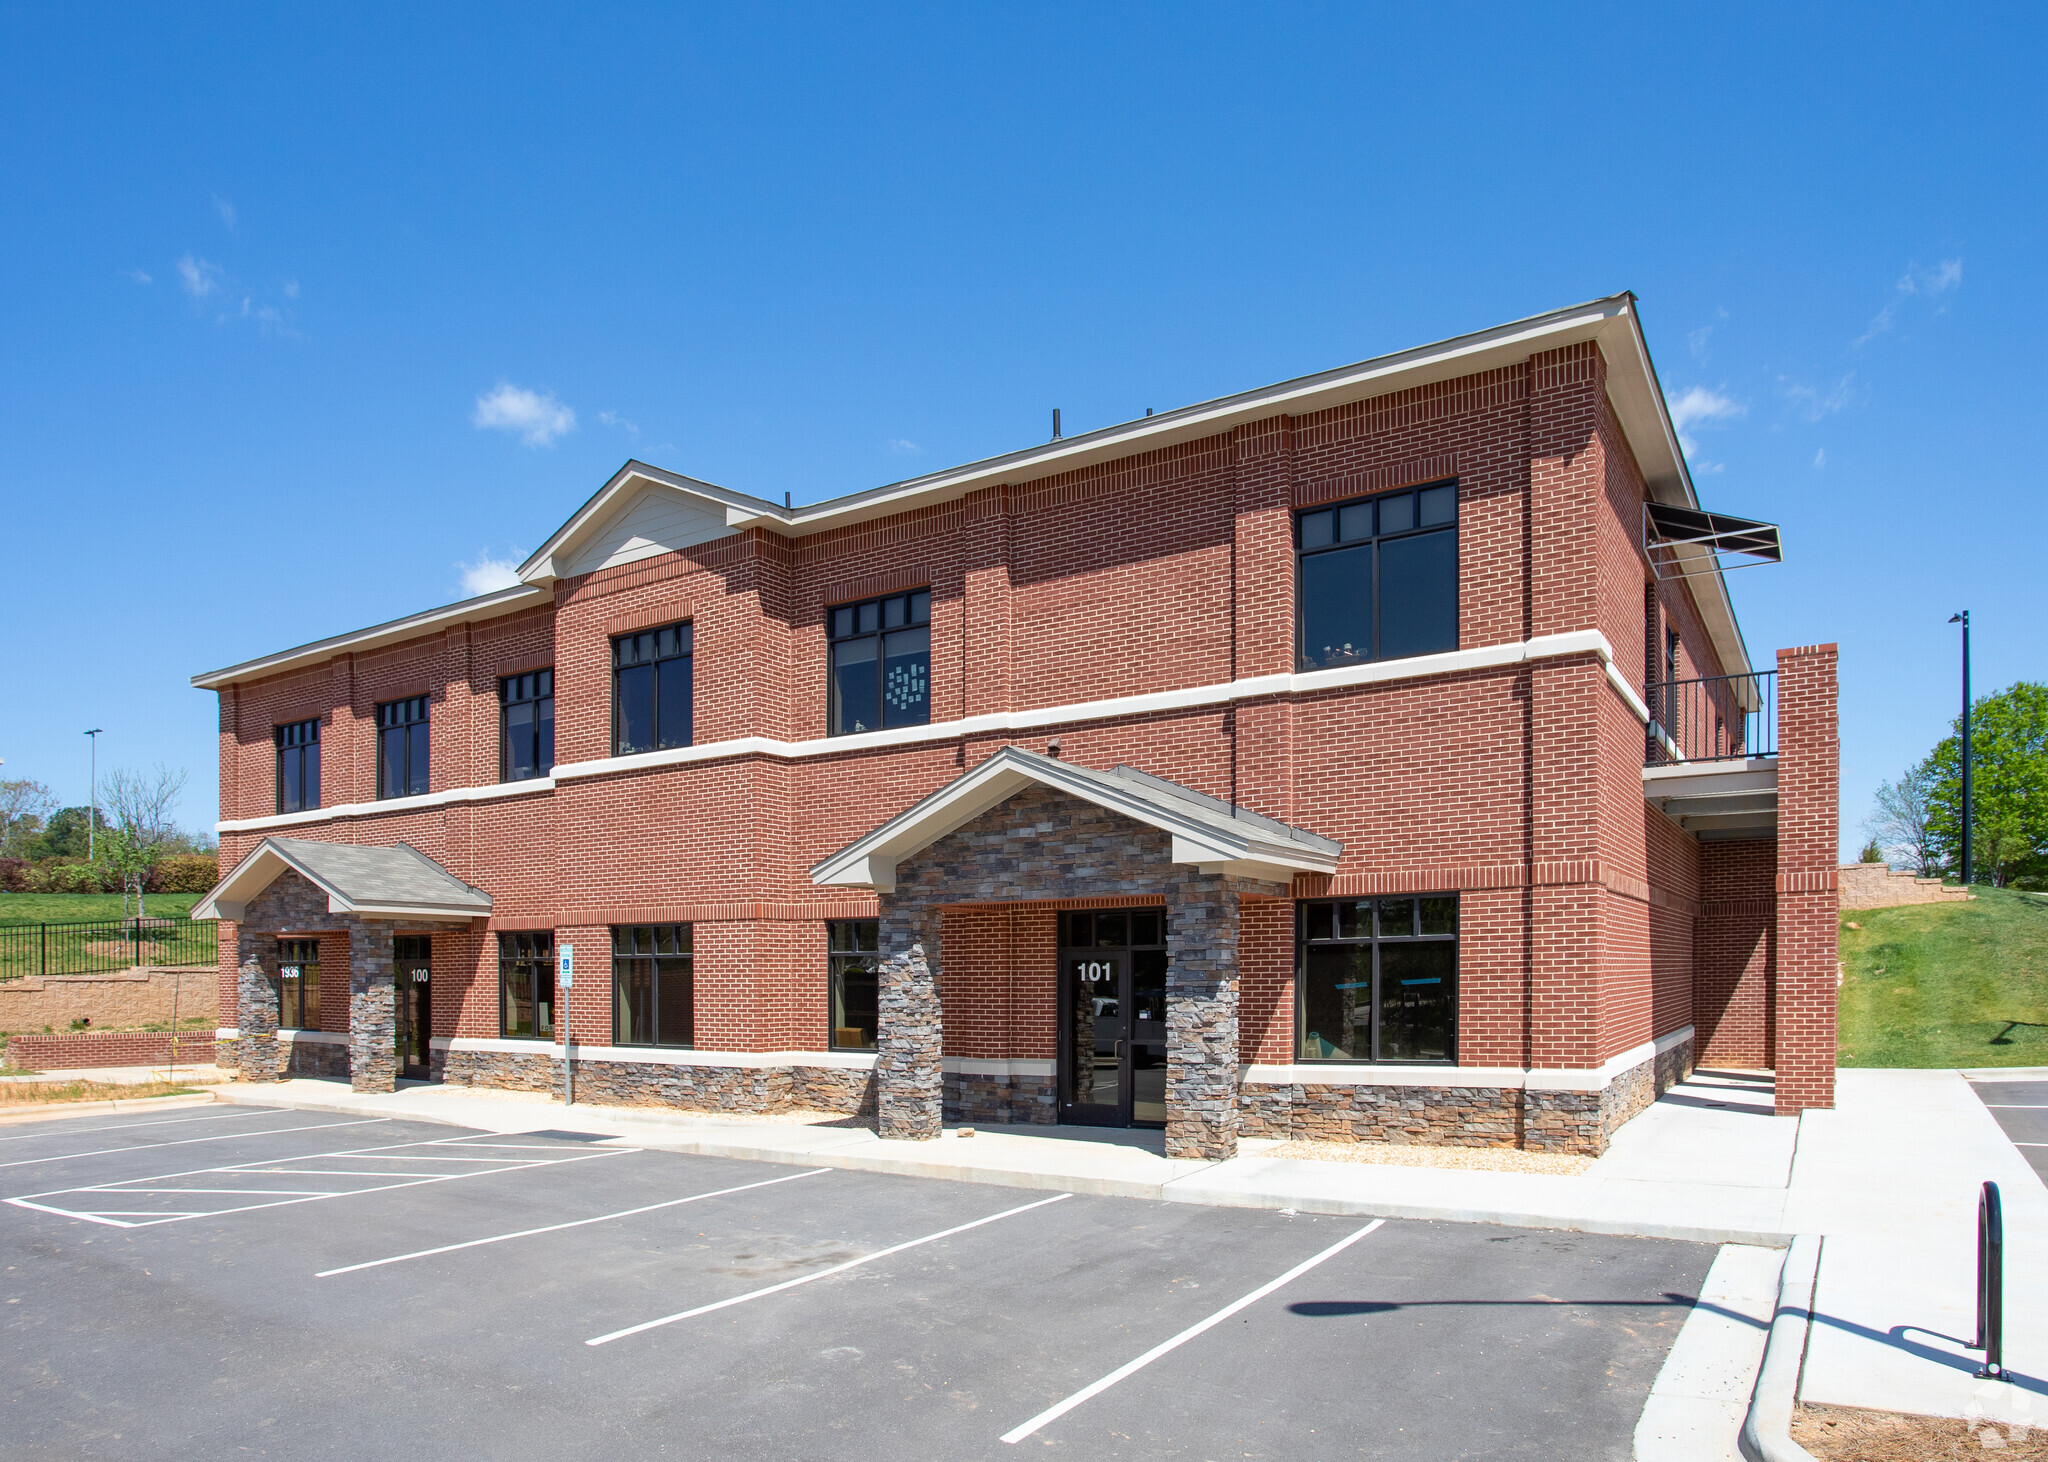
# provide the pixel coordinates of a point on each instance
(685, 632)
(539, 956)
(386, 724)
(843, 947)
(917, 615)
(1375, 941)
(291, 954)
(684, 936)
(543, 695)
(1374, 540)
(307, 747)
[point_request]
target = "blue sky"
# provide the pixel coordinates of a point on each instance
(314, 315)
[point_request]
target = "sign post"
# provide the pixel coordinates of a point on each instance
(565, 980)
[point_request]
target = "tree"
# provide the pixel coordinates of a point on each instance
(64, 835)
(1899, 820)
(2009, 780)
(138, 810)
(1872, 853)
(23, 807)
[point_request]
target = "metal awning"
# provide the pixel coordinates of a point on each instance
(1683, 541)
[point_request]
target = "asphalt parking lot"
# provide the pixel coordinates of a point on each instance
(2021, 1108)
(251, 1282)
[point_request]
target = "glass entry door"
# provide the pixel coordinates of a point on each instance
(412, 970)
(1112, 1057)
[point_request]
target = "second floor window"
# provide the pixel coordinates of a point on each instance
(651, 690)
(298, 984)
(402, 747)
(881, 663)
(526, 739)
(298, 766)
(1378, 578)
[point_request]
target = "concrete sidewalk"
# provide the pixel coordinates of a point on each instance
(1709, 1162)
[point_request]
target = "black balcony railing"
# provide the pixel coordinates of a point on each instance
(1720, 718)
(97, 946)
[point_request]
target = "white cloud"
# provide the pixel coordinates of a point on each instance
(536, 415)
(140, 276)
(226, 210)
(1815, 402)
(1943, 279)
(904, 448)
(485, 574)
(1820, 459)
(1698, 339)
(291, 289)
(201, 278)
(613, 419)
(1698, 406)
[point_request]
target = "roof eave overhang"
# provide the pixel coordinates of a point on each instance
(229, 899)
(494, 605)
(871, 862)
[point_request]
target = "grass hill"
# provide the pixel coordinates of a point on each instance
(37, 907)
(1947, 984)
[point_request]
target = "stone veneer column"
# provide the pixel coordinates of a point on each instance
(909, 1089)
(258, 1053)
(1201, 1021)
(372, 1007)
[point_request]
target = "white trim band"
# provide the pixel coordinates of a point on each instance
(1512, 1078)
(661, 1055)
(491, 793)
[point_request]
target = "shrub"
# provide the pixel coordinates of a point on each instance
(65, 875)
(186, 873)
(1872, 853)
(13, 875)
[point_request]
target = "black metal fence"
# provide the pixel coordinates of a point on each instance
(1719, 718)
(95, 946)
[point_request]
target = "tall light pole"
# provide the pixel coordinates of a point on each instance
(1969, 868)
(93, 818)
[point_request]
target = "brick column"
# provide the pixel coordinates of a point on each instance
(1809, 812)
(372, 1007)
(1201, 1022)
(909, 1090)
(257, 1053)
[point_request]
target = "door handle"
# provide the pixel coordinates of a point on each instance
(1119, 1050)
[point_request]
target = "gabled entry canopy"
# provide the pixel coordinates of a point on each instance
(398, 882)
(1210, 834)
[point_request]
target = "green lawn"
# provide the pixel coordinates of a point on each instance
(37, 907)
(1947, 984)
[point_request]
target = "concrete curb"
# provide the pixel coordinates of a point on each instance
(1767, 1429)
(45, 1111)
(861, 1152)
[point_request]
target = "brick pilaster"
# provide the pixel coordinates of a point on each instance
(1809, 813)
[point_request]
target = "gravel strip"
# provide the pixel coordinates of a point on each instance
(1412, 1155)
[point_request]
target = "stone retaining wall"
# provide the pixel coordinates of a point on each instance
(1876, 886)
(117, 998)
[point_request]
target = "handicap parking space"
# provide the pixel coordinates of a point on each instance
(2021, 1109)
(751, 1310)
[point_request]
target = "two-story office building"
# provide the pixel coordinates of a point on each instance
(1375, 755)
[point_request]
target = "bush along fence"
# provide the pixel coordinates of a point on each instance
(180, 873)
(97, 946)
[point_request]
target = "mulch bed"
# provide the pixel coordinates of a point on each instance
(1846, 1434)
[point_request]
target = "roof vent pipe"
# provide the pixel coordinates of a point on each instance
(1055, 423)
(785, 500)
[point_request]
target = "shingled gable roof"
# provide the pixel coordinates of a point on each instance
(395, 882)
(1212, 835)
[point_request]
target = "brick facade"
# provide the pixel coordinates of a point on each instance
(1510, 774)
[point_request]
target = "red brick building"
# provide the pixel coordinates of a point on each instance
(1365, 756)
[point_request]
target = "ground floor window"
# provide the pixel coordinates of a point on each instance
(855, 964)
(298, 984)
(1377, 979)
(526, 984)
(653, 998)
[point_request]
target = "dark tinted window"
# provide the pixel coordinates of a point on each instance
(653, 998)
(854, 965)
(651, 709)
(298, 984)
(402, 747)
(526, 740)
(1378, 578)
(881, 663)
(526, 984)
(298, 766)
(1377, 979)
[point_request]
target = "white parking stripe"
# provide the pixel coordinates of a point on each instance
(527, 1233)
(67, 1130)
(821, 1274)
(29, 1162)
(1054, 1413)
(2018, 1106)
